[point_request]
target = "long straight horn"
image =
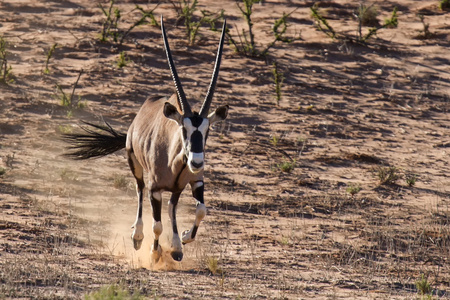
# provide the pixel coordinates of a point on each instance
(182, 101)
(212, 86)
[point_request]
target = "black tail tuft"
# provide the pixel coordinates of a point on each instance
(94, 143)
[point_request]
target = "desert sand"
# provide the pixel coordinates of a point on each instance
(328, 228)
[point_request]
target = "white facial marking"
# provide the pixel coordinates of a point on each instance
(196, 157)
(204, 126)
(187, 123)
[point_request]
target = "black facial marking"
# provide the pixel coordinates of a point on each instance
(184, 133)
(197, 165)
(196, 120)
(197, 142)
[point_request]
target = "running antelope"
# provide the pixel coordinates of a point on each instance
(167, 141)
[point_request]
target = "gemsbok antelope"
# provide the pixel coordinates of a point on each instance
(167, 141)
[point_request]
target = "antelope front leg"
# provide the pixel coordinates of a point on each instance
(177, 251)
(156, 202)
(200, 212)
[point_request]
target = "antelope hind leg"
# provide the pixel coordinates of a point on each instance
(138, 233)
(156, 202)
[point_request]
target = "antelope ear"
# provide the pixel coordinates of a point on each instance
(172, 113)
(220, 114)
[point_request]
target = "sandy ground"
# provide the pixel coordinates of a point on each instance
(347, 111)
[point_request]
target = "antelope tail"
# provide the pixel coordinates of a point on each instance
(97, 141)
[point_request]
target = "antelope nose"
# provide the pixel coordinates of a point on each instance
(197, 165)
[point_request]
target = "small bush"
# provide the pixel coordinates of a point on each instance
(423, 286)
(387, 175)
(425, 33)
(274, 140)
(9, 160)
(278, 78)
(245, 42)
(123, 60)
(113, 292)
(364, 14)
(287, 166)
(5, 69)
(212, 264)
(67, 100)
(322, 23)
(186, 10)
(67, 174)
(411, 179)
(353, 189)
(64, 129)
(49, 55)
(120, 182)
(444, 5)
(367, 15)
(110, 27)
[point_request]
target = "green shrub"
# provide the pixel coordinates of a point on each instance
(246, 44)
(423, 286)
(5, 69)
(287, 166)
(113, 292)
(49, 55)
(387, 175)
(278, 78)
(444, 5)
(353, 189)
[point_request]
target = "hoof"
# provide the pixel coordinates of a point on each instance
(186, 237)
(137, 236)
(137, 244)
(156, 254)
(177, 255)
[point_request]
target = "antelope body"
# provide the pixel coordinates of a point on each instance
(166, 140)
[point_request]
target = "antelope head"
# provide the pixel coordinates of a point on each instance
(194, 125)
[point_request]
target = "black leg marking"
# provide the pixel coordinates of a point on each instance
(194, 231)
(156, 207)
(156, 202)
(173, 214)
(197, 192)
(177, 251)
